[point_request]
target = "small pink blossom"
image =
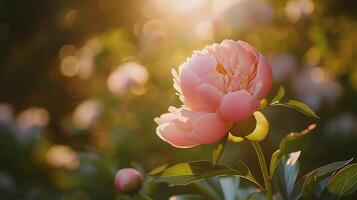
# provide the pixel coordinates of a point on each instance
(219, 86)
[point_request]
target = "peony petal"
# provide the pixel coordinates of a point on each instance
(165, 118)
(252, 51)
(176, 80)
(263, 77)
(209, 128)
(202, 66)
(210, 95)
(174, 136)
(189, 84)
(245, 59)
(237, 106)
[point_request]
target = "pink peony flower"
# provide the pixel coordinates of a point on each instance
(219, 86)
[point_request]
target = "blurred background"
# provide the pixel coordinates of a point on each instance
(81, 81)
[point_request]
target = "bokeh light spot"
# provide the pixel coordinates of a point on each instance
(69, 66)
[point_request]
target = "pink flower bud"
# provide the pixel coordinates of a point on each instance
(128, 180)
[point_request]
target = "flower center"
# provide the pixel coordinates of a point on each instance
(220, 69)
(239, 78)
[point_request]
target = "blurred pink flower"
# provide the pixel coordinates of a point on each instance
(219, 85)
(128, 76)
(283, 66)
(316, 86)
(243, 14)
(33, 117)
(86, 113)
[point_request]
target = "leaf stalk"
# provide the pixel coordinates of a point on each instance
(263, 167)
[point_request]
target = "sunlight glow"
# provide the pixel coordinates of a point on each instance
(205, 30)
(62, 156)
(179, 6)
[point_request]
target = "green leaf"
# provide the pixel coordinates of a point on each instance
(186, 173)
(299, 106)
(217, 153)
(187, 197)
(293, 142)
(158, 170)
(286, 174)
(141, 196)
(329, 168)
(274, 161)
(256, 196)
(249, 193)
(343, 183)
(209, 188)
(279, 95)
(296, 141)
(306, 184)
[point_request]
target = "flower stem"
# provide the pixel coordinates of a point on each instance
(264, 169)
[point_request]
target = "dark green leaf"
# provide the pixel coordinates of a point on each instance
(188, 197)
(296, 141)
(306, 184)
(299, 106)
(286, 174)
(209, 188)
(249, 193)
(186, 173)
(279, 95)
(343, 183)
(329, 168)
(256, 196)
(298, 189)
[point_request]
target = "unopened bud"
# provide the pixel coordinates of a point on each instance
(128, 180)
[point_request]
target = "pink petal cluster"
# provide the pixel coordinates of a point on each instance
(219, 86)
